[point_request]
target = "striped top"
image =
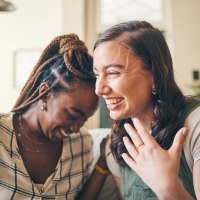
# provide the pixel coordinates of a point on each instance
(67, 180)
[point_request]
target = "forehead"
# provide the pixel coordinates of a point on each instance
(113, 53)
(80, 97)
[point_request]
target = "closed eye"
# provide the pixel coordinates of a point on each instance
(70, 116)
(113, 74)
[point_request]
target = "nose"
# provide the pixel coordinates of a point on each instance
(101, 87)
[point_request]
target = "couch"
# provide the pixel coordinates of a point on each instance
(109, 190)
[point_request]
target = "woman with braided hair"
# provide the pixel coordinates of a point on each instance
(40, 158)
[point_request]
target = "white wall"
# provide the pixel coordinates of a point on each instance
(184, 34)
(31, 26)
(73, 17)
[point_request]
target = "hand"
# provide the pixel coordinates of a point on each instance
(157, 167)
(102, 147)
(102, 159)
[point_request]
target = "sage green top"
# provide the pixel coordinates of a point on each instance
(133, 187)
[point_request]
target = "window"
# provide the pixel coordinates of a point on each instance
(110, 12)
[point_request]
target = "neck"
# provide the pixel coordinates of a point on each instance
(146, 119)
(31, 126)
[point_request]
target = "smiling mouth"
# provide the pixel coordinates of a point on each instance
(65, 134)
(113, 101)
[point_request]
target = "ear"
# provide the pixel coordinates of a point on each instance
(44, 87)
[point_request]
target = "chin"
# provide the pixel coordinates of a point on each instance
(116, 116)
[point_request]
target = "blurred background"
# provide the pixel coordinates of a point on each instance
(27, 26)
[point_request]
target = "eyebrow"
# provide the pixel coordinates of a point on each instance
(111, 65)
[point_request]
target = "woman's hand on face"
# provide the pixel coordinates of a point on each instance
(157, 167)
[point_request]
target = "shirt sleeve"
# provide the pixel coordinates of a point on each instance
(192, 144)
(111, 162)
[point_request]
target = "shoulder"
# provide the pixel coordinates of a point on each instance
(192, 144)
(6, 123)
(192, 122)
(6, 130)
(6, 118)
(193, 117)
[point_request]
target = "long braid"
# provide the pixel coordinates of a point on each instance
(70, 48)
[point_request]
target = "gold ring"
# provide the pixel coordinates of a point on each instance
(137, 147)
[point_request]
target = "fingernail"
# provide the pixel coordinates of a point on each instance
(126, 125)
(123, 154)
(184, 131)
(125, 138)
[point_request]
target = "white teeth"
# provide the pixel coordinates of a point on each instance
(63, 132)
(113, 101)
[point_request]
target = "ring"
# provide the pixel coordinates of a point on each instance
(137, 147)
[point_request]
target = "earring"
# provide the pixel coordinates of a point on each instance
(153, 92)
(44, 106)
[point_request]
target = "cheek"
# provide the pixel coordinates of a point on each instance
(118, 86)
(137, 91)
(55, 117)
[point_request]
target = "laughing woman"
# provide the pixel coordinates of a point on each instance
(44, 152)
(135, 76)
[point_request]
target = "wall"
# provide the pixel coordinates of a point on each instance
(73, 17)
(186, 32)
(31, 26)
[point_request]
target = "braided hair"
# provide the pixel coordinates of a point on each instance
(65, 59)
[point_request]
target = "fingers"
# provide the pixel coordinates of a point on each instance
(134, 135)
(130, 147)
(103, 145)
(129, 161)
(143, 133)
(178, 142)
(104, 140)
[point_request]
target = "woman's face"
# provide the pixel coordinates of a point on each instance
(122, 81)
(67, 112)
